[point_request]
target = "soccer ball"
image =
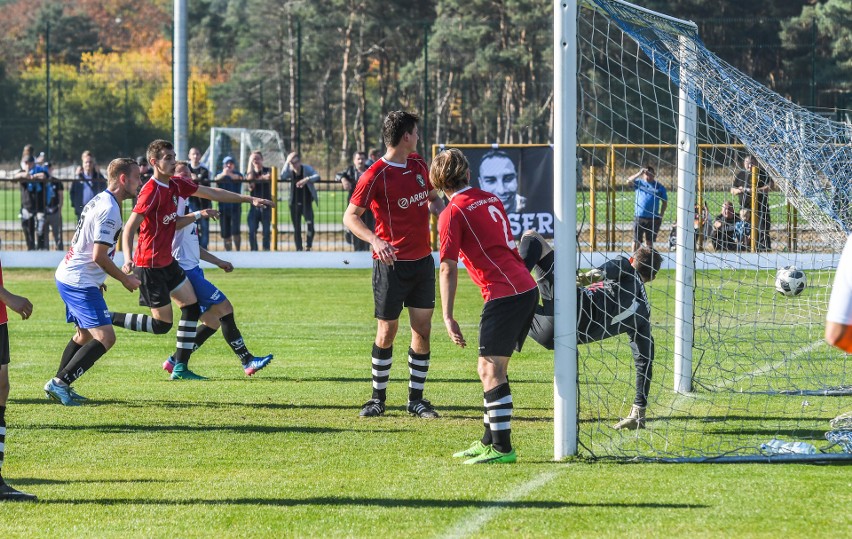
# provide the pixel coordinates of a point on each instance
(790, 281)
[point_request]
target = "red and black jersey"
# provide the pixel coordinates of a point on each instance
(157, 202)
(398, 195)
(476, 226)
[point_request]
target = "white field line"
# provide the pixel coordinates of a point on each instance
(473, 524)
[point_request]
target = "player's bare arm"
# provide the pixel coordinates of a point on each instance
(207, 256)
(127, 236)
(436, 202)
(190, 218)
(221, 195)
(839, 335)
(19, 304)
(100, 256)
(352, 219)
(449, 282)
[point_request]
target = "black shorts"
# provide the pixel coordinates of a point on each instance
(159, 283)
(645, 227)
(4, 344)
(409, 283)
(505, 323)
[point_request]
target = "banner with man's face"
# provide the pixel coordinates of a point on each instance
(522, 178)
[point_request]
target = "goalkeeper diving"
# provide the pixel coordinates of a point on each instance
(611, 300)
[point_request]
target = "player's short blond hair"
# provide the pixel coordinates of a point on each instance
(119, 166)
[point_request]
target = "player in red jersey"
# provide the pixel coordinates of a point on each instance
(396, 189)
(23, 307)
(155, 217)
(475, 228)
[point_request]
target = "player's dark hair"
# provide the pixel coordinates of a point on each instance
(647, 262)
(449, 170)
(396, 125)
(650, 169)
(119, 166)
(156, 149)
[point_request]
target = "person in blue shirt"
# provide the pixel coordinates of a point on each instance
(651, 202)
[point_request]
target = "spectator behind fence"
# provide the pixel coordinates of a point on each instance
(201, 176)
(303, 193)
(260, 186)
(742, 187)
(372, 156)
(89, 183)
(27, 152)
(145, 170)
(53, 201)
(230, 214)
(650, 207)
(32, 202)
(349, 178)
(728, 230)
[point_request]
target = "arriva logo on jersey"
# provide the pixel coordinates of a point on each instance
(420, 197)
(421, 181)
(170, 217)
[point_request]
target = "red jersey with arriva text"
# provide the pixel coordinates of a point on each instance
(157, 202)
(3, 316)
(475, 226)
(398, 195)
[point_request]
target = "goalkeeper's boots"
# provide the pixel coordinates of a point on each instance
(476, 448)
(422, 408)
(636, 419)
(59, 393)
(256, 364)
(492, 456)
(372, 408)
(169, 364)
(10, 494)
(182, 372)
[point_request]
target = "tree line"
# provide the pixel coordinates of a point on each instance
(323, 74)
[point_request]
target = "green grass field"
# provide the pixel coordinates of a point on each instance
(284, 453)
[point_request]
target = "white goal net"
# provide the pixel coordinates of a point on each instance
(757, 366)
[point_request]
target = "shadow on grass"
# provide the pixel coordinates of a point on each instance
(354, 407)
(29, 481)
(241, 429)
(379, 502)
(367, 381)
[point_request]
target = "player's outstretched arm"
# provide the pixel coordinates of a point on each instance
(221, 195)
(19, 304)
(449, 283)
(190, 218)
(100, 255)
(130, 228)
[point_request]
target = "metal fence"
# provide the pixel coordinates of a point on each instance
(328, 214)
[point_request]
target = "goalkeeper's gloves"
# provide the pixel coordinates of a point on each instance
(589, 277)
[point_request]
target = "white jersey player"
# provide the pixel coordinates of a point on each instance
(80, 280)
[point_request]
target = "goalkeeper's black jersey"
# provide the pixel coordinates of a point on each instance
(616, 305)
